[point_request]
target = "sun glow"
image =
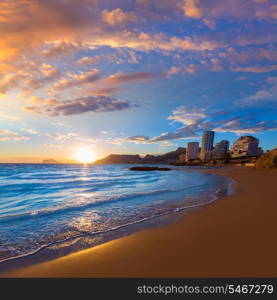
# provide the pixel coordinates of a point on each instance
(85, 155)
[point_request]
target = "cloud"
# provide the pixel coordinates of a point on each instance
(9, 81)
(234, 8)
(24, 24)
(9, 118)
(62, 137)
(192, 119)
(246, 126)
(196, 120)
(28, 75)
(153, 42)
(125, 78)
(189, 131)
(70, 137)
(57, 48)
(8, 135)
(49, 71)
(263, 96)
(58, 124)
(209, 23)
(103, 86)
(133, 57)
(35, 34)
(32, 108)
(76, 80)
(138, 139)
(192, 9)
(114, 141)
(267, 13)
(90, 60)
(248, 55)
(187, 116)
(190, 69)
(197, 9)
(255, 69)
(216, 65)
(49, 74)
(111, 84)
(120, 56)
(30, 131)
(76, 25)
(165, 144)
(34, 101)
(118, 17)
(95, 104)
(106, 91)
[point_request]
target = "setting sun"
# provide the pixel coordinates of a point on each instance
(85, 155)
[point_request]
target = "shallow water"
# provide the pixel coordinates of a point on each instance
(57, 206)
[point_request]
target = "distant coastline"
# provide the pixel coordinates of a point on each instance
(172, 158)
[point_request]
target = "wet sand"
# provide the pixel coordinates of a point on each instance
(232, 237)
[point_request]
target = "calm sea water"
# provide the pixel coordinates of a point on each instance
(57, 206)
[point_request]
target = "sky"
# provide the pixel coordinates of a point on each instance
(134, 76)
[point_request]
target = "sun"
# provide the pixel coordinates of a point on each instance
(85, 155)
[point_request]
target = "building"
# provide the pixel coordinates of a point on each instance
(221, 149)
(182, 158)
(207, 145)
(192, 151)
(260, 151)
(246, 146)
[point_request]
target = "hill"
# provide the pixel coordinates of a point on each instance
(50, 161)
(267, 160)
(172, 156)
(120, 159)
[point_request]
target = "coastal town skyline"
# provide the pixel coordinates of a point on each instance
(85, 154)
(207, 151)
(134, 76)
(244, 146)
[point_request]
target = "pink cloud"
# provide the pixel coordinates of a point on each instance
(255, 69)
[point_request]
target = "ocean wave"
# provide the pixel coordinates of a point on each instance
(82, 206)
(30, 185)
(86, 202)
(213, 198)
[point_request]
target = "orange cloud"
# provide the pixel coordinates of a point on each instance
(76, 80)
(192, 9)
(89, 60)
(25, 26)
(118, 16)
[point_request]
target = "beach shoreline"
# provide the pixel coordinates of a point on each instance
(232, 237)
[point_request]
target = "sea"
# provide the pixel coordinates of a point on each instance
(49, 210)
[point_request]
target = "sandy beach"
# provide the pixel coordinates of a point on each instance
(232, 237)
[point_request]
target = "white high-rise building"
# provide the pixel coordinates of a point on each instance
(245, 146)
(192, 151)
(207, 145)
